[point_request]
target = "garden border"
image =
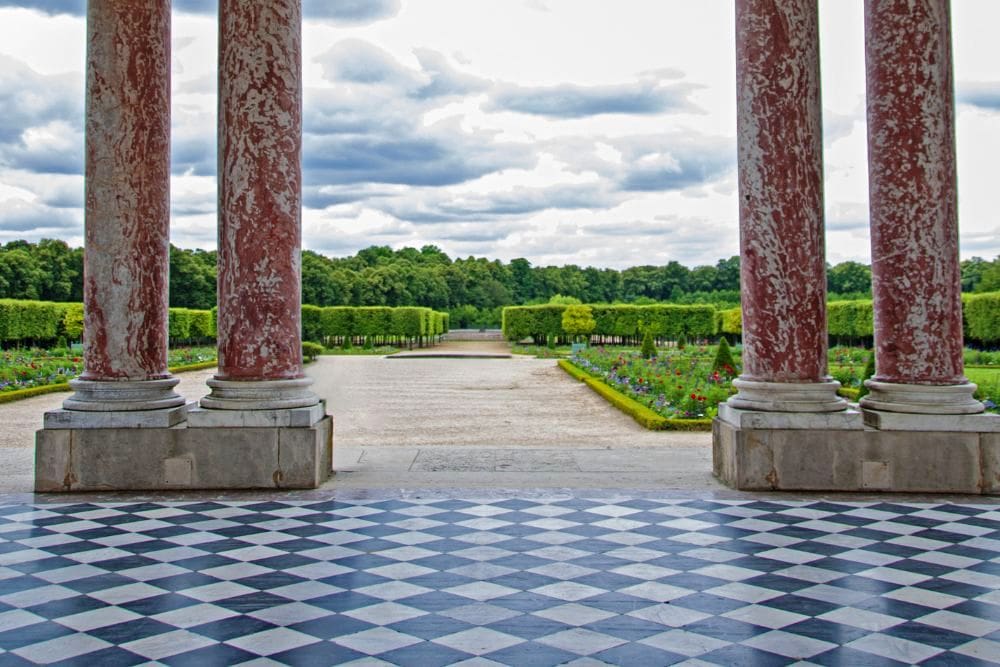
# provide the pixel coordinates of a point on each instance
(637, 411)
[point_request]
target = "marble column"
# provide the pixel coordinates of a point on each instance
(782, 265)
(126, 257)
(916, 281)
(260, 182)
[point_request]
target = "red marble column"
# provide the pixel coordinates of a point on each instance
(782, 266)
(914, 215)
(260, 183)
(126, 256)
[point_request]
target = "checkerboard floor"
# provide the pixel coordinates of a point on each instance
(500, 581)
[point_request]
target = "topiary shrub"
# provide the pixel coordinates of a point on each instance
(867, 375)
(648, 350)
(311, 350)
(723, 363)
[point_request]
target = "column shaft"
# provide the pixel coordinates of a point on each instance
(913, 204)
(127, 208)
(781, 209)
(260, 180)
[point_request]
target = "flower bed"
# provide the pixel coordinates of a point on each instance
(676, 384)
(23, 369)
(29, 368)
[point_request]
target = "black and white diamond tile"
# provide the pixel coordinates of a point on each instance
(500, 581)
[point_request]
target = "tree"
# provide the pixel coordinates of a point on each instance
(62, 269)
(972, 272)
(523, 283)
(578, 321)
(192, 278)
(727, 274)
(648, 349)
(318, 285)
(990, 281)
(849, 278)
(20, 275)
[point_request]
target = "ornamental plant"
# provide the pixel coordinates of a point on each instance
(648, 350)
(867, 375)
(724, 363)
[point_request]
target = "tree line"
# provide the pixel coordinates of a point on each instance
(473, 289)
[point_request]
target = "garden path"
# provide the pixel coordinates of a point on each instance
(458, 422)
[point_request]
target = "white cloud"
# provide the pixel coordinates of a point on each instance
(563, 131)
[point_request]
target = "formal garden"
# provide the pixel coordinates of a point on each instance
(655, 362)
(668, 365)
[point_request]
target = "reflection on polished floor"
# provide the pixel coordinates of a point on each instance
(480, 578)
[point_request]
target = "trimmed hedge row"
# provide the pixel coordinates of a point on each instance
(981, 317)
(669, 321)
(855, 319)
(30, 320)
(42, 322)
(408, 322)
(188, 324)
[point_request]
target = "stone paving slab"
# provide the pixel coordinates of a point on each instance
(523, 468)
(497, 579)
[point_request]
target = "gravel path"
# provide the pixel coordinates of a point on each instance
(519, 402)
(388, 413)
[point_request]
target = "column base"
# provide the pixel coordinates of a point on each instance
(259, 394)
(123, 396)
(787, 396)
(924, 399)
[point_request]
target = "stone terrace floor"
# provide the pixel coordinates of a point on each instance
(499, 578)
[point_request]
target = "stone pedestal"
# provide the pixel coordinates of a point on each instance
(848, 457)
(783, 275)
(184, 457)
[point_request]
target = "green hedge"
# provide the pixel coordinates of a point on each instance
(668, 321)
(312, 323)
(320, 324)
(982, 318)
(72, 323)
(850, 319)
(730, 321)
(855, 319)
(42, 322)
(29, 321)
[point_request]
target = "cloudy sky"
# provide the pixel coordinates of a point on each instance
(564, 131)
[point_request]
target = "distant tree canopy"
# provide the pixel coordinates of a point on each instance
(473, 289)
